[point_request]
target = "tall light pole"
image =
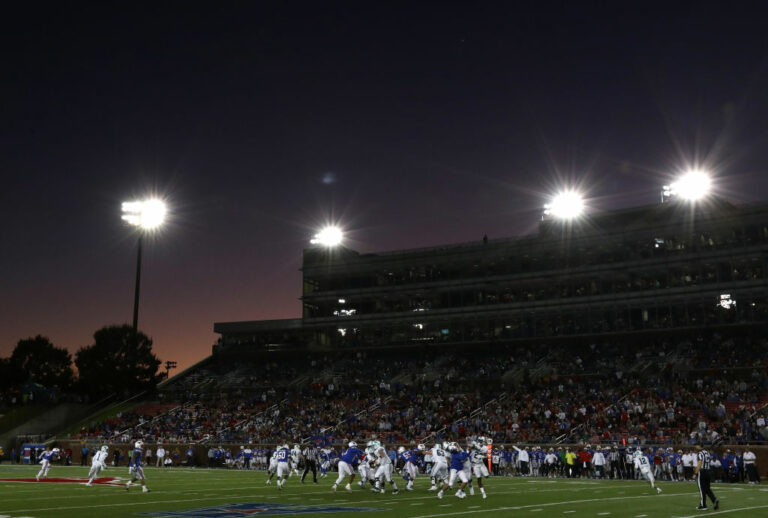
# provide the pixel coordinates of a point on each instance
(146, 215)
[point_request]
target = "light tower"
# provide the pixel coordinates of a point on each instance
(147, 216)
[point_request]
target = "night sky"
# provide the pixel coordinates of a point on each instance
(410, 124)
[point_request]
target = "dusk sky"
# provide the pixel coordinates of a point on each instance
(409, 124)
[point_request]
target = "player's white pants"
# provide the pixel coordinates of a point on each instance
(283, 469)
(411, 470)
(366, 471)
(138, 472)
(345, 470)
(457, 473)
(95, 469)
(439, 471)
(384, 470)
(648, 476)
(480, 470)
(44, 469)
(272, 467)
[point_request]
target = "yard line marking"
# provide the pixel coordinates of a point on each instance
(551, 504)
(418, 503)
(536, 510)
(568, 512)
(602, 514)
(728, 511)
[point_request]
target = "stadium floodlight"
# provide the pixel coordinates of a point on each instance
(145, 214)
(329, 237)
(566, 205)
(693, 185)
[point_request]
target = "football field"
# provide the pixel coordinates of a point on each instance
(203, 493)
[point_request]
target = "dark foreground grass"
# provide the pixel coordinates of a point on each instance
(203, 493)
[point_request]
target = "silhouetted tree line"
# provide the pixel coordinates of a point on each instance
(118, 361)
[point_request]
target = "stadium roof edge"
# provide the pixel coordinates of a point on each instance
(632, 215)
(257, 325)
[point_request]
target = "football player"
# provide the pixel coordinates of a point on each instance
(98, 463)
(134, 466)
(45, 461)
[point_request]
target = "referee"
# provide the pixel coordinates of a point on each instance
(701, 473)
(310, 454)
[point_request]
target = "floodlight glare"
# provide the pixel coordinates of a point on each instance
(692, 186)
(329, 236)
(566, 205)
(147, 214)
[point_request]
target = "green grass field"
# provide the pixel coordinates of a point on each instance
(195, 491)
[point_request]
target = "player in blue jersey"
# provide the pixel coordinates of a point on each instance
(347, 463)
(409, 459)
(134, 466)
(458, 456)
(45, 462)
(325, 462)
(283, 465)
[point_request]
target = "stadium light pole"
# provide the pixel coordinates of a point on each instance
(146, 216)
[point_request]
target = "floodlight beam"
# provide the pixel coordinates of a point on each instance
(329, 237)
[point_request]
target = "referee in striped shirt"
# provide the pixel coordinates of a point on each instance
(310, 455)
(702, 475)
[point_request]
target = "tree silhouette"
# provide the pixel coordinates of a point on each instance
(119, 361)
(37, 359)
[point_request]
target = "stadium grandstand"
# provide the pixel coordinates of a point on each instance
(638, 327)
(644, 326)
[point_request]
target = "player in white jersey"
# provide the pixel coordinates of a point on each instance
(383, 471)
(644, 467)
(272, 469)
(98, 463)
(439, 472)
(45, 462)
(295, 456)
(478, 458)
(366, 469)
